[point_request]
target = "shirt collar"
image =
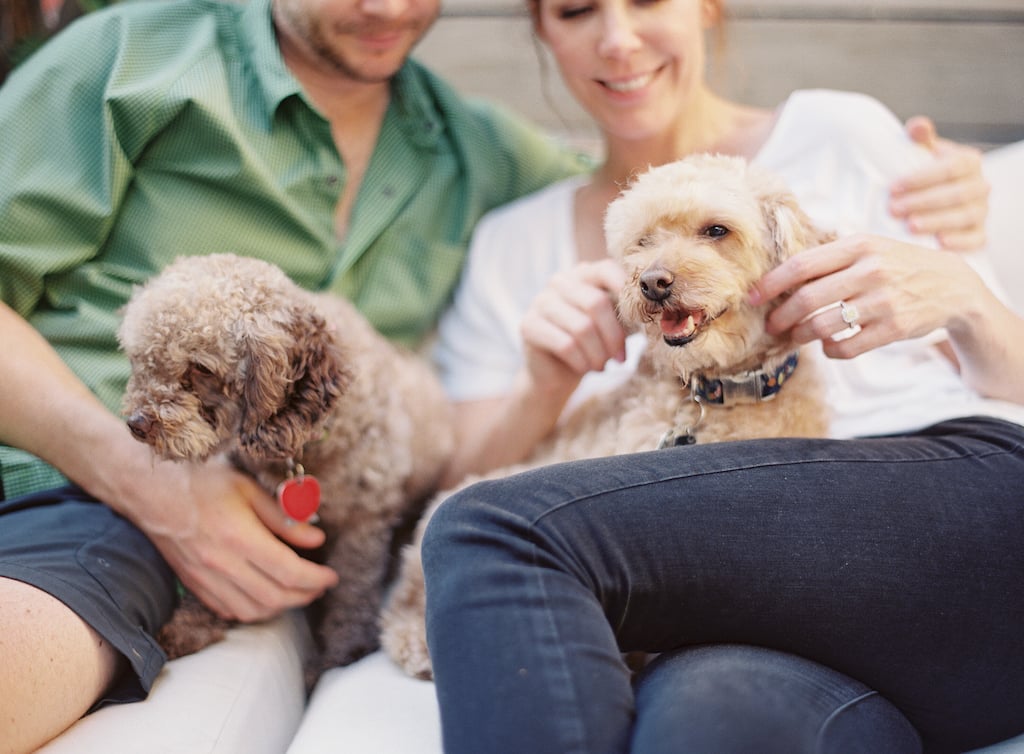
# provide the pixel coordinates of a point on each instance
(272, 76)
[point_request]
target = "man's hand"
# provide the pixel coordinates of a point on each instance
(216, 528)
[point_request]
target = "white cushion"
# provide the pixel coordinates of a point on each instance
(370, 707)
(244, 695)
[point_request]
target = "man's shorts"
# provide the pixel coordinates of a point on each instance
(107, 571)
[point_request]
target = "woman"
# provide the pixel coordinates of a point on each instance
(807, 595)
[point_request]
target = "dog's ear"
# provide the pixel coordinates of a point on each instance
(791, 229)
(292, 383)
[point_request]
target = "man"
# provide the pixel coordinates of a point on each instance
(154, 130)
(292, 130)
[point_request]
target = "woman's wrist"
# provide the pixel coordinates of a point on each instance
(495, 433)
(984, 334)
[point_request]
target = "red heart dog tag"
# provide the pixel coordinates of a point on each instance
(299, 497)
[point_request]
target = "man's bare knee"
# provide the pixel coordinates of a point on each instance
(54, 666)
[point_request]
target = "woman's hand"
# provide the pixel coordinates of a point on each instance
(571, 328)
(948, 197)
(898, 291)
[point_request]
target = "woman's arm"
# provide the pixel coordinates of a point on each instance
(570, 329)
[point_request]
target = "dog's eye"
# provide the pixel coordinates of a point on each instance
(715, 231)
(197, 375)
(644, 241)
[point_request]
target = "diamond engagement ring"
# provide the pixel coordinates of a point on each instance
(849, 314)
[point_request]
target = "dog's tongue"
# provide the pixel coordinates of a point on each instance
(676, 325)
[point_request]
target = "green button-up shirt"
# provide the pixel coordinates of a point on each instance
(157, 129)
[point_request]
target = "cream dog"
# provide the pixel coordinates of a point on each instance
(694, 236)
(229, 356)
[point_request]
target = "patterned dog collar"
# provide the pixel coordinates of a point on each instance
(747, 387)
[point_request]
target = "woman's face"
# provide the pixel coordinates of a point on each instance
(632, 64)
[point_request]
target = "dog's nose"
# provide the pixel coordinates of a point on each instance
(656, 283)
(140, 425)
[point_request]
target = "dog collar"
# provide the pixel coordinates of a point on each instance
(754, 386)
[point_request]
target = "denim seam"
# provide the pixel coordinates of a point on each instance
(835, 715)
(693, 474)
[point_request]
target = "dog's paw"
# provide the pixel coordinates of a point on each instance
(403, 637)
(192, 627)
(407, 647)
(403, 629)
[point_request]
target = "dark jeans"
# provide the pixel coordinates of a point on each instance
(733, 698)
(898, 562)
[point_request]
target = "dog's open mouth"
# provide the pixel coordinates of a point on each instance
(680, 326)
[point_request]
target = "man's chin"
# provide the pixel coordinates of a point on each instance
(370, 69)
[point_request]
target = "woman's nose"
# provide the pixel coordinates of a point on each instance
(383, 8)
(619, 32)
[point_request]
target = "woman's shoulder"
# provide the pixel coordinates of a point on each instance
(548, 201)
(540, 213)
(524, 242)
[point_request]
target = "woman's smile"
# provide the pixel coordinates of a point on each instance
(630, 84)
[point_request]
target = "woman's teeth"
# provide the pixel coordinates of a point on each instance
(630, 85)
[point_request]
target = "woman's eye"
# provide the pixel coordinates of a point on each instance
(569, 12)
(716, 231)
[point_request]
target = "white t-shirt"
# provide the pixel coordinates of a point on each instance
(838, 152)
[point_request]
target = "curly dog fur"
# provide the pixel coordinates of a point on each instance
(694, 236)
(230, 356)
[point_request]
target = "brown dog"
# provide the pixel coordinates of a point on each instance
(229, 356)
(694, 236)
